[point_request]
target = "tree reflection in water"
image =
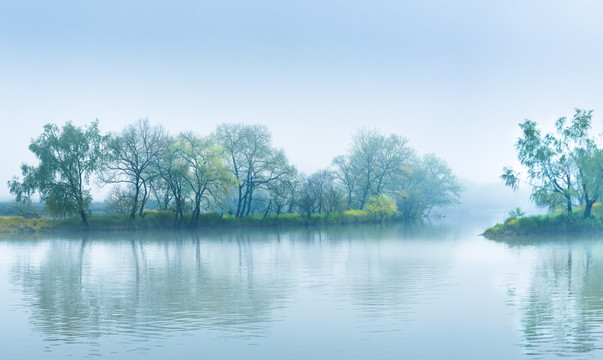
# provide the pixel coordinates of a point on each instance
(231, 284)
(561, 308)
(82, 289)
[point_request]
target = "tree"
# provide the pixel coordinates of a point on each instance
(561, 167)
(283, 193)
(381, 207)
(119, 200)
(426, 183)
(319, 195)
(172, 170)
(376, 158)
(206, 171)
(254, 162)
(132, 154)
(347, 174)
(67, 159)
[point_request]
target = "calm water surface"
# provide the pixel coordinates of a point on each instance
(371, 292)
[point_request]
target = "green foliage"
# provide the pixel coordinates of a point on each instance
(557, 222)
(515, 213)
(68, 157)
(204, 172)
(563, 168)
(381, 207)
(18, 224)
(236, 170)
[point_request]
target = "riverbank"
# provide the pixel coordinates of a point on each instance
(557, 222)
(163, 220)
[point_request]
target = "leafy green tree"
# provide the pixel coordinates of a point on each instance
(68, 157)
(561, 167)
(381, 207)
(206, 173)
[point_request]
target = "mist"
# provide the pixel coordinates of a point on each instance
(455, 78)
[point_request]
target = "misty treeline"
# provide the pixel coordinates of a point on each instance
(235, 170)
(564, 167)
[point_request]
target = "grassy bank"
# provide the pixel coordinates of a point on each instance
(161, 220)
(557, 222)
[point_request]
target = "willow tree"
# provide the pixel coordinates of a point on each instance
(68, 157)
(563, 167)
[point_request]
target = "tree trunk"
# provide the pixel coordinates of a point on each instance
(240, 201)
(84, 217)
(135, 200)
(267, 210)
(249, 202)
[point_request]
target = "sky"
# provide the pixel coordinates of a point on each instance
(453, 77)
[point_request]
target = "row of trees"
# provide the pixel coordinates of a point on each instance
(564, 167)
(236, 170)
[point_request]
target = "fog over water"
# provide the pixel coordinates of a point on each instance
(454, 77)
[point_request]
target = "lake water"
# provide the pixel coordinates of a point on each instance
(369, 292)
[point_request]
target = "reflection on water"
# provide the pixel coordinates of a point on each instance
(562, 305)
(236, 285)
(361, 292)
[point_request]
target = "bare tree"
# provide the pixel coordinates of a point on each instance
(132, 153)
(376, 158)
(347, 175)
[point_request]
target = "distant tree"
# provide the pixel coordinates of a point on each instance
(162, 195)
(515, 213)
(307, 200)
(119, 200)
(426, 183)
(376, 159)
(133, 153)
(68, 157)
(347, 174)
(25, 209)
(173, 171)
(254, 162)
(319, 195)
(283, 193)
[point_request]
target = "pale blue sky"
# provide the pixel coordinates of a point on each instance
(454, 77)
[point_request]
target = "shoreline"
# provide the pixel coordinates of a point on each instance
(165, 220)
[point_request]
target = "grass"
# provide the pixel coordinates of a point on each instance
(159, 220)
(557, 222)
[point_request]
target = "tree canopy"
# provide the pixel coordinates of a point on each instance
(564, 168)
(234, 170)
(68, 157)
